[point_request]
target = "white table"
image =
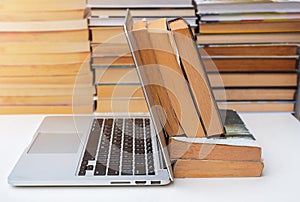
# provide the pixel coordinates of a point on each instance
(278, 134)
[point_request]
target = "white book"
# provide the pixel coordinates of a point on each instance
(139, 3)
(251, 16)
(119, 21)
(215, 7)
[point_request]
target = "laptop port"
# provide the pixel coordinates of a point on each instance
(119, 182)
(140, 182)
(155, 182)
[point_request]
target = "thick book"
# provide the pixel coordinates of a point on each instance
(250, 64)
(256, 79)
(121, 105)
(177, 85)
(236, 17)
(46, 90)
(49, 36)
(44, 70)
(214, 168)
(140, 4)
(45, 47)
(47, 109)
(251, 50)
(119, 91)
(43, 59)
(255, 93)
(153, 85)
(44, 15)
(46, 100)
(237, 154)
(42, 5)
(116, 75)
(108, 34)
(86, 78)
(112, 60)
(193, 68)
(213, 7)
(246, 38)
(260, 106)
(249, 27)
(43, 26)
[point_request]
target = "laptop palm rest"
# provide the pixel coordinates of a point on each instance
(46, 142)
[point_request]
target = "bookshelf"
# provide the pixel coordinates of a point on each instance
(105, 22)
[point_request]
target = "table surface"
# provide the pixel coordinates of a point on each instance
(277, 133)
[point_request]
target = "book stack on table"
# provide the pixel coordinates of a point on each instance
(44, 57)
(254, 45)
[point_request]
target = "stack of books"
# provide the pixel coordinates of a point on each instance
(44, 60)
(203, 141)
(116, 80)
(255, 47)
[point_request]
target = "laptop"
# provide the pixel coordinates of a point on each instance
(103, 150)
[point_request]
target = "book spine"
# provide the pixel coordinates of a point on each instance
(297, 105)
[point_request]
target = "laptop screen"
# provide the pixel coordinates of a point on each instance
(153, 86)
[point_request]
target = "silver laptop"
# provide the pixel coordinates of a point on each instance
(111, 149)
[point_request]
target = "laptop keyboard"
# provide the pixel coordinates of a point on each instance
(121, 146)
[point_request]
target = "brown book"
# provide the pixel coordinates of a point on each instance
(43, 59)
(207, 39)
(249, 27)
(185, 168)
(111, 49)
(44, 47)
(223, 150)
(249, 64)
(259, 106)
(197, 78)
(251, 50)
(42, 5)
(44, 70)
(43, 26)
(114, 35)
(116, 75)
(245, 94)
(124, 105)
(43, 15)
(107, 60)
(253, 79)
(174, 79)
(46, 100)
(56, 80)
(49, 36)
(153, 83)
(46, 90)
(46, 31)
(119, 91)
(46, 109)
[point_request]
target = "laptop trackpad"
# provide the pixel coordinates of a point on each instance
(55, 143)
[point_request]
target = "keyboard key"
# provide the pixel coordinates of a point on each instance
(112, 171)
(88, 156)
(100, 169)
(89, 167)
(81, 173)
